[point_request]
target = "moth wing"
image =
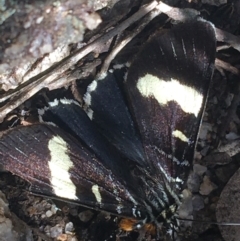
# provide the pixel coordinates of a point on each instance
(167, 86)
(57, 165)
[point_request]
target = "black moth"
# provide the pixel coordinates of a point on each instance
(82, 161)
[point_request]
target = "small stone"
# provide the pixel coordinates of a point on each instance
(199, 169)
(224, 173)
(73, 239)
(193, 182)
(85, 216)
(49, 213)
(92, 21)
(231, 148)
(31, 210)
(217, 158)
(66, 237)
(55, 231)
(186, 194)
(73, 211)
(205, 128)
(207, 186)
(197, 156)
(47, 230)
(232, 136)
(69, 228)
(204, 151)
(197, 202)
(62, 237)
(186, 207)
(54, 209)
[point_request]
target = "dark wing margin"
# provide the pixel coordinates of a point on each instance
(58, 166)
(167, 86)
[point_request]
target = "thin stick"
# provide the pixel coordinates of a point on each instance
(209, 222)
(227, 66)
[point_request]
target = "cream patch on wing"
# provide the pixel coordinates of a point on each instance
(178, 134)
(187, 97)
(59, 166)
(96, 192)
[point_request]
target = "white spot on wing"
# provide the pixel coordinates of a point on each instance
(185, 163)
(173, 49)
(194, 49)
(184, 49)
(41, 111)
(162, 51)
(119, 66)
(96, 192)
(40, 115)
(119, 209)
(69, 102)
(87, 97)
(59, 166)
(134, 209)
(125, 76)
(187, 97)
(54, 103)
(178, 134)
(90, 113)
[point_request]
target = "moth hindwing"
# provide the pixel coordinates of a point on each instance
(130, 156)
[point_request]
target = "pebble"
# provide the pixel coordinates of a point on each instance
(199, 169)
(193, 182)
(232, 136)
(49, 213)
(69, 228)
(205, 128)
(186, 208)
(207, 186)
(204, 151)
(85, 216)
(197, 202)
(55, 231)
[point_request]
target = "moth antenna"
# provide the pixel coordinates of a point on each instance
(209, 222)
